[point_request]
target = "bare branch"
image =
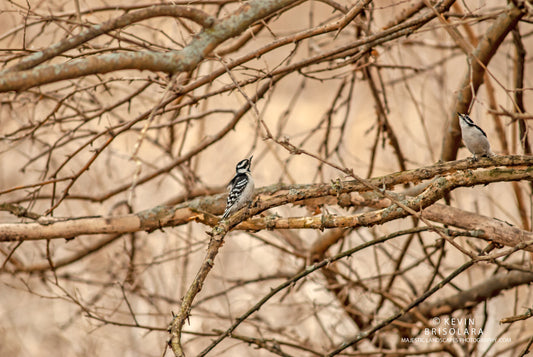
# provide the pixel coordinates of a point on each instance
(94, 31)
(171, 62)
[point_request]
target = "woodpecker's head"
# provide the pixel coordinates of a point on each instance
(465, 120)
(468, 125)
(244, 165)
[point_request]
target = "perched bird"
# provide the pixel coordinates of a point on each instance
(474, 137)
(241, 188)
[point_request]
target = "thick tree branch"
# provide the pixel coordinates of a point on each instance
(487, 228)
(171, 62)
(198, 16)
(201, 209)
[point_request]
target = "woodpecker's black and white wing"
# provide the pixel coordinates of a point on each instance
(238, 184)
(239, 193)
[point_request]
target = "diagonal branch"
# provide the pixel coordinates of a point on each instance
(217, 240)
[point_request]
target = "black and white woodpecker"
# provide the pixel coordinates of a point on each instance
(241, 188)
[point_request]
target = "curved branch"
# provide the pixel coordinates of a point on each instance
(198, 16)
(171, 62)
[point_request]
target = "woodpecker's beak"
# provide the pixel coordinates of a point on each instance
(250, 159)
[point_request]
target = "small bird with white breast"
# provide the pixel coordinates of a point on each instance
(241, 188)
(474, 137)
